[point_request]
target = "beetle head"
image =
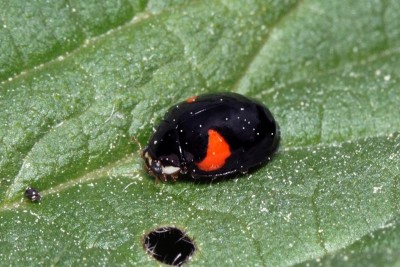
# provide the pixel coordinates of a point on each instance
(163, 167)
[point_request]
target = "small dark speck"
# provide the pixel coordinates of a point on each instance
(32, 194)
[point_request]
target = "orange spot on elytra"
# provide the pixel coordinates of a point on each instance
(191, 99)
(218, 151)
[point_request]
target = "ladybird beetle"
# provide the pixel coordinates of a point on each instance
(32, 194)
(211, 135)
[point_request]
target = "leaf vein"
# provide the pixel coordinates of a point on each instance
(263, 42)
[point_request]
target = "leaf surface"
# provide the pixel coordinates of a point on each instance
(80, 79)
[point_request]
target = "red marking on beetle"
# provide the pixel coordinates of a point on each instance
(191, 99)
(218, 151)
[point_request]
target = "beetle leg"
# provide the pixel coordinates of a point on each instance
(243, 170)
(174, 177)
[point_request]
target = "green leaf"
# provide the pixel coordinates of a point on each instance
(80, 79)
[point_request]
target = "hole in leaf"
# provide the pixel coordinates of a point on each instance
(169, 245)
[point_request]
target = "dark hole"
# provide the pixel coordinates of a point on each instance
(169, 245)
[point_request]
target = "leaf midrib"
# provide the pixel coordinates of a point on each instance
(129, 158)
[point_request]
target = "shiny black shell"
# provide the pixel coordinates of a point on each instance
(181, 138)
